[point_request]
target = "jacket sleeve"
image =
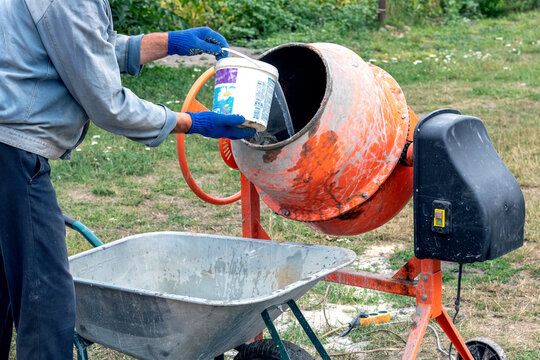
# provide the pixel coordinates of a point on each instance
(75, 35)
(128, 53)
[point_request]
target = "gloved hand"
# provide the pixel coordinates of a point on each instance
(210, 124)
(196, 41)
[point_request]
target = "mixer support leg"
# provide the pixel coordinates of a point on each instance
(251, 212)
(450, 330)
(409, 271)
(429, 306)
(421, 320)
(251, 217)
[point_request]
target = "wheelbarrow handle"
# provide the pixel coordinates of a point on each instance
(83, 230)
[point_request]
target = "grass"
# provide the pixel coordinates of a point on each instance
(487, 68)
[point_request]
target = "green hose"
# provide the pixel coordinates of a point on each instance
(83, 230)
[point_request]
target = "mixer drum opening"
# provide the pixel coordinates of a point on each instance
(304, 79)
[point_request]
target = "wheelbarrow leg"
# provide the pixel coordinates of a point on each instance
(80, 346)
(303, 322)
(275, 335)
(307, 329)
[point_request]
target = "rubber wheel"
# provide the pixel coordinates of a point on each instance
(267, 350)
(484, 349)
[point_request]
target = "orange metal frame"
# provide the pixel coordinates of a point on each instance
(427, 289)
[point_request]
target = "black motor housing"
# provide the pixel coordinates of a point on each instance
(468, 206)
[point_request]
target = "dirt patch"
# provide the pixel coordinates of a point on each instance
(80, 195)
(147, 180)
(336, 316)
(204, 60)
(375, 259)
(331, 322)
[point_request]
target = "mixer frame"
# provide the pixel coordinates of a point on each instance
(427, 289)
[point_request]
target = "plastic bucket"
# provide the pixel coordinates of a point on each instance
(245, 87)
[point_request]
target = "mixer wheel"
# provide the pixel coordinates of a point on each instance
(482, 348)
(267, 350)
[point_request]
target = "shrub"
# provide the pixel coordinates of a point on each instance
(241, 20)
(427, 10)
(249, 19)
(492, 8)
(143, 16)
(430, 10)
(521, 5)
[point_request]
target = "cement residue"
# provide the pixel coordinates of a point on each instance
(338, 344)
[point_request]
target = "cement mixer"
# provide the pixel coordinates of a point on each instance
(341, 172)
(357, 155)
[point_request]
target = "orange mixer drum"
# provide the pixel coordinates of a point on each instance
(341, 172)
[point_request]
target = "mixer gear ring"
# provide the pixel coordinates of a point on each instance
(191, 104)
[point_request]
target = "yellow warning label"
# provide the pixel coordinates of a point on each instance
(439, 218)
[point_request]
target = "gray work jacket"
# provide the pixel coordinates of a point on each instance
(60, 64)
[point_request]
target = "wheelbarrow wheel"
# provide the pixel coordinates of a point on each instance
(267, 350)
(482, 348)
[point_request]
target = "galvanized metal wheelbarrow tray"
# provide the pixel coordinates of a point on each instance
(175, 295)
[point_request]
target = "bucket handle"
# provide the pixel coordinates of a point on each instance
(236, 52)
(193, 105)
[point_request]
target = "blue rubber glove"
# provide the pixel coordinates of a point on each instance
(210, 124)
(196, 41)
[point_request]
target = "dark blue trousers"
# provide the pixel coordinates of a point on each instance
(36, 288)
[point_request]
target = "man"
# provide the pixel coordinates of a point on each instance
(60, 64)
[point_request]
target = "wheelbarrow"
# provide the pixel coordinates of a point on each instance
(177, 295)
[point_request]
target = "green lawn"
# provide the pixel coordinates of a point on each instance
(486, 68)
